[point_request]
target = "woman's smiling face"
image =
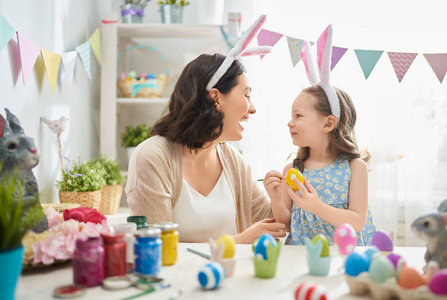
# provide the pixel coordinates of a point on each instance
(236, 106)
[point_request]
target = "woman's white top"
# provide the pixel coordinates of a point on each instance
(200, 217)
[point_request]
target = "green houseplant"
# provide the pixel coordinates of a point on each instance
(113, 189)
(14, 224)
(82, 184)
(172, 10)
(133, 136)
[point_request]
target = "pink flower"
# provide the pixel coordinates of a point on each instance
(52, 215)
(84, 214)
(67, 227)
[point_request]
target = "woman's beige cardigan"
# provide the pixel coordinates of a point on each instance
(155, 180)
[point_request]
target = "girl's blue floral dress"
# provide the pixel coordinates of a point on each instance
(332, 185)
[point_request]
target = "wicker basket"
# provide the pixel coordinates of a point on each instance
(86, 199)
(110, 199)
(60, 207)
(148, 88)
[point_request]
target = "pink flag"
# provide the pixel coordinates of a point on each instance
(28, 54)
(438, 62)
(401, 62)
(268, 38)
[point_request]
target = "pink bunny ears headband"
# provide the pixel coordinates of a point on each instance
(321, 75)
(241, 50)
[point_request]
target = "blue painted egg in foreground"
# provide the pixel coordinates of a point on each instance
(371, 251)
(381, 269)
(356, 263)
(211, 275)
(260, 245)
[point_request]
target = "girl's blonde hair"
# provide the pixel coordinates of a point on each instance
(342, 138)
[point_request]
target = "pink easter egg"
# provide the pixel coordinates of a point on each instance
(142, 75)
(310, 291)
(122, 77)
(345, 238)
(437, 284)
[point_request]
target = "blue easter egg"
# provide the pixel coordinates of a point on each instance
(356, 263)
(150, 76)
(260, 245)
(211, 276)
(371, 251)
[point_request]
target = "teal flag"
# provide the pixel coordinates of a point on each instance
(368, 60)
(6, 32)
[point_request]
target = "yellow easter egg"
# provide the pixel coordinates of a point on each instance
(229, 245)
(292, 174)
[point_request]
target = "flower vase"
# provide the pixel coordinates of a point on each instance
(11, 262)
(131, 13)
(171, 13)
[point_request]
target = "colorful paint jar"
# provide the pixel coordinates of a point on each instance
(129, 229)
(147, 250)
(88, 262)
(169, 238)
(141, 221)
(115, 254)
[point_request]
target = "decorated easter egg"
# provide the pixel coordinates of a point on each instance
(356, 263)
(409, 278)
(132, 74)
(370, 252)
(151, 76)
(382, 240)
(380, 269)
(291, 175)
(211, 276)
(142, 75)
(260, 245)
(437, 284)
(122, 77)
(310, 291)
(345, 238)
(229, 245)
(323, 239)
(394, 259)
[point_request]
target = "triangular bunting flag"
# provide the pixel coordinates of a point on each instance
(51, 62)
(95, 43)
(295, 46)
(337, 54)
(28, 54)
(438, 62)
(84, 54)
(401, 62)
(268, 38)
(69, 63)
(6, 32)
(367, 60)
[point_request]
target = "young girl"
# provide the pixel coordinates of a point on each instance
(335, 189)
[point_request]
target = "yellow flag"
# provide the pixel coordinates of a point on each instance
(51, 62)
(95, 43)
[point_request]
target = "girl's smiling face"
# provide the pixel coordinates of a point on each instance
(306, 125)
(237, 106)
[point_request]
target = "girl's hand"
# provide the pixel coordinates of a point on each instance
(249, 235)
(272, 184)
(308, 200)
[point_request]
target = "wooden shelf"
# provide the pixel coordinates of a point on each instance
(169, 30)
(130, 101)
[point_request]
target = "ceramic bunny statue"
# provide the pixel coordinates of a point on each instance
(18, 151)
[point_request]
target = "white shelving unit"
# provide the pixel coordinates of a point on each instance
(116, 112)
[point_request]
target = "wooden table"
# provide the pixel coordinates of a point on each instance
(292, 270)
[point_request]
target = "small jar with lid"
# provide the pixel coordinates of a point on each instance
(147, 250)
(141, 221)
(169, 239)
(129, 229)
(88, 262)
(115, 254)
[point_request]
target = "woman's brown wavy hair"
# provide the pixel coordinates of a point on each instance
(192, 119)
(342, 139)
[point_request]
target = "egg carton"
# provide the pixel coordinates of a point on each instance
(389, 289)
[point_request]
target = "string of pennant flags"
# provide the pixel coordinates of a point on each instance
(367, 59)
(28, 53)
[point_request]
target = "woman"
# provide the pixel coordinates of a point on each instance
(186, 173)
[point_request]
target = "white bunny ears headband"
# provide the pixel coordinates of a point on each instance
(321, 75)
(241, 50)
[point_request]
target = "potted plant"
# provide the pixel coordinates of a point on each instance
(133, 136)
(172, 10)
(112, 191)
(14, 224)
(83, 184)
